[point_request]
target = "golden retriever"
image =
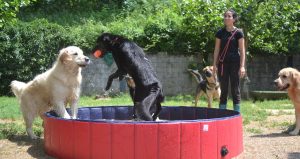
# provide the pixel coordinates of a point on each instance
(209, 86)
(289, 79)
(53, 89)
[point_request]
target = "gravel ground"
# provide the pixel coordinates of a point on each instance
(269, 143)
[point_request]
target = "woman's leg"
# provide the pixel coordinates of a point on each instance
(235, 85)
(224, 81)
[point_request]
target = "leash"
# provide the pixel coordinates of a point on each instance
(224, 52)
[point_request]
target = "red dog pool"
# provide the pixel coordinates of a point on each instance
(107, 133)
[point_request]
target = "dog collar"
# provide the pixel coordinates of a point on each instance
(210, 86)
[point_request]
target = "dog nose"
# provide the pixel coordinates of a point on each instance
(86, 59)
(208, 74)
(275, 83)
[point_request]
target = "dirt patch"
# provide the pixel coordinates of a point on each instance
(269, 143)
(272, 142)
(22, 147)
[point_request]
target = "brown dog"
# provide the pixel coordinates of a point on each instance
(208, 86)
(289, 79)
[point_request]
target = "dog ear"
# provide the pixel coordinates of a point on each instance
(295, 78)
(64, 56)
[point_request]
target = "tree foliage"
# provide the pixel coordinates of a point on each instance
(28, 49)
(185, 27)
(9, 10)
(276, 26)
(270, 26)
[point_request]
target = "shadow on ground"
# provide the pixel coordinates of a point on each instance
(272, 135)
(36, 147)
(294, 155)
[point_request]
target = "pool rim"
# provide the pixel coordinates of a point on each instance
(237, 114)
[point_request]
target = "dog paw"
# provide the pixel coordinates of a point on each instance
(67, 116)
(294, 132)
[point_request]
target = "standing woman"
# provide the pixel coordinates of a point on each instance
(229, 59)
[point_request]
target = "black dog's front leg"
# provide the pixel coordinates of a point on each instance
(156, 107)
(117, 74)
(131, 92)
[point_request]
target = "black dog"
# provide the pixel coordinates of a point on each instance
(130, 85)
(130, 59)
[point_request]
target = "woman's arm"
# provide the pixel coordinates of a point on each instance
(242, 57)
(216, 54)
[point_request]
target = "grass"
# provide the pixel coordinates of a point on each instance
(9, 108)
(254, 130)
(11, 121)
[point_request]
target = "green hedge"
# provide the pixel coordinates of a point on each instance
(29, 46)
(28, 49)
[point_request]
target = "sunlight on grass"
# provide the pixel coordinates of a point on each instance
(7, 130)
(285, 124)
(254, 130)
(122, 99)
(9, 108)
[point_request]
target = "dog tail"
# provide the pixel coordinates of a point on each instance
(17, 88)
(196, 74)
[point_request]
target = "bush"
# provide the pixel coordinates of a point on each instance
(185, 27)
(28, 49)
(85, 36)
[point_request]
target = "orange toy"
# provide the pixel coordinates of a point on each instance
(98, 53)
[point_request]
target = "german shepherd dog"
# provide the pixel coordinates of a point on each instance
(129, 81)
(130, 59)
(130, 84)
(208, 86)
